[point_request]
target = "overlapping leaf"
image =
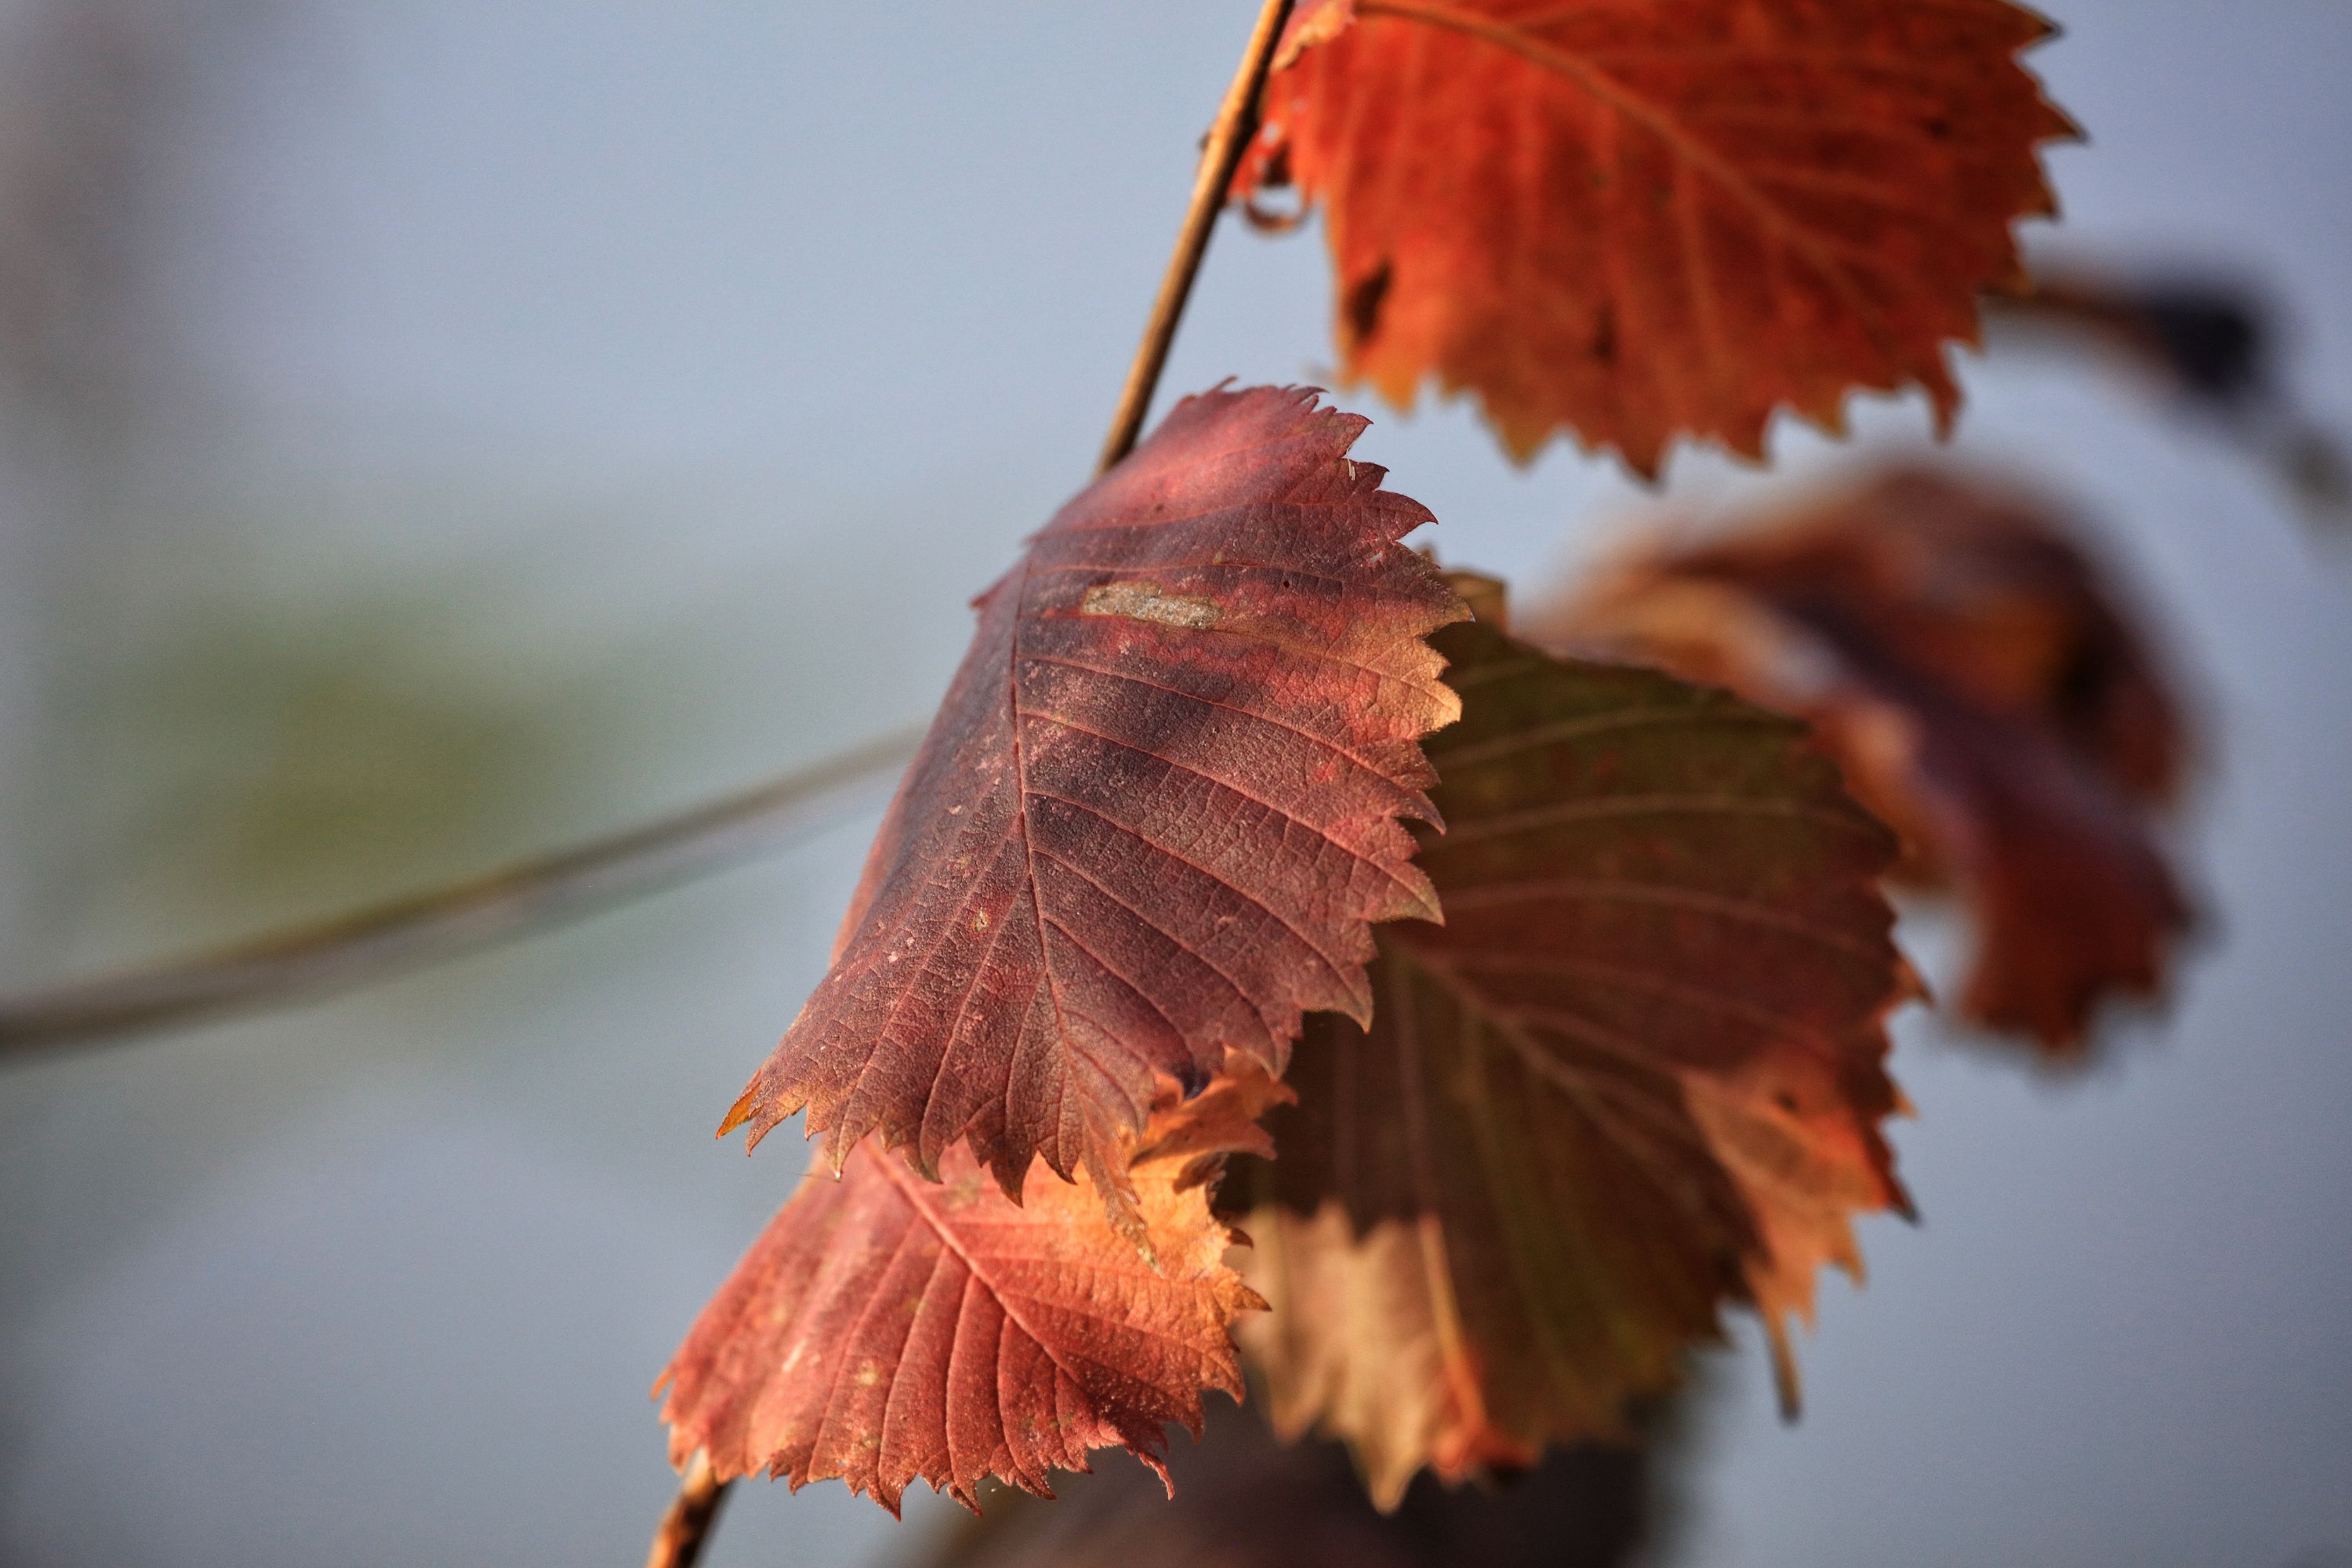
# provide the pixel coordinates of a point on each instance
(1636, 1075)
(885, 1328)
(1244, 1500)
(1985, 693)
(1637, 221)
(1156, 813)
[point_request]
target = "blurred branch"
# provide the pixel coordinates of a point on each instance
(1220, 154)
(685, 1529)
(2211, 341)
(515, 901)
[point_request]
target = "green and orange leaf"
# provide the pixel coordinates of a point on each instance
(1636, 1076)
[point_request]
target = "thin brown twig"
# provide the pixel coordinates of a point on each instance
(1220, 154)
(686, 1528)
(514, 901)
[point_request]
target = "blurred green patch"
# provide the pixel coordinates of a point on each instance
(265, 744)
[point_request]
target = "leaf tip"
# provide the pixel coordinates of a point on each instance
(739, 1113)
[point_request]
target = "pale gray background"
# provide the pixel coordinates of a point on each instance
(439, 427)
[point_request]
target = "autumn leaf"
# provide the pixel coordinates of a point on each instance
(1156, 813)
(1635, 1076)
(1244, 1501)
(1633, 222)
(1986, 694)
(885, 1328)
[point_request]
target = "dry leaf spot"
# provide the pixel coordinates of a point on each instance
(1143, 602)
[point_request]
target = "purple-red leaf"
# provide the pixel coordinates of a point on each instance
(1156, 815)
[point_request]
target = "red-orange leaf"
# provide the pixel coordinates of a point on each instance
(1635, 221)
(1157, 811)
(1986, 695)
(885, 1328)
(1636, 1075)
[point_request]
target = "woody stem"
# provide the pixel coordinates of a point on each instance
(686, 1528)
(1220, 154)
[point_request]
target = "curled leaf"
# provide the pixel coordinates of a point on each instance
(1639, 221)
(1987, 696)
(885, 1328)
(1638, 1073)
(1157, 811)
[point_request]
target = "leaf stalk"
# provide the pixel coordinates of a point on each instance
(686, 1528)
(1220, 154)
